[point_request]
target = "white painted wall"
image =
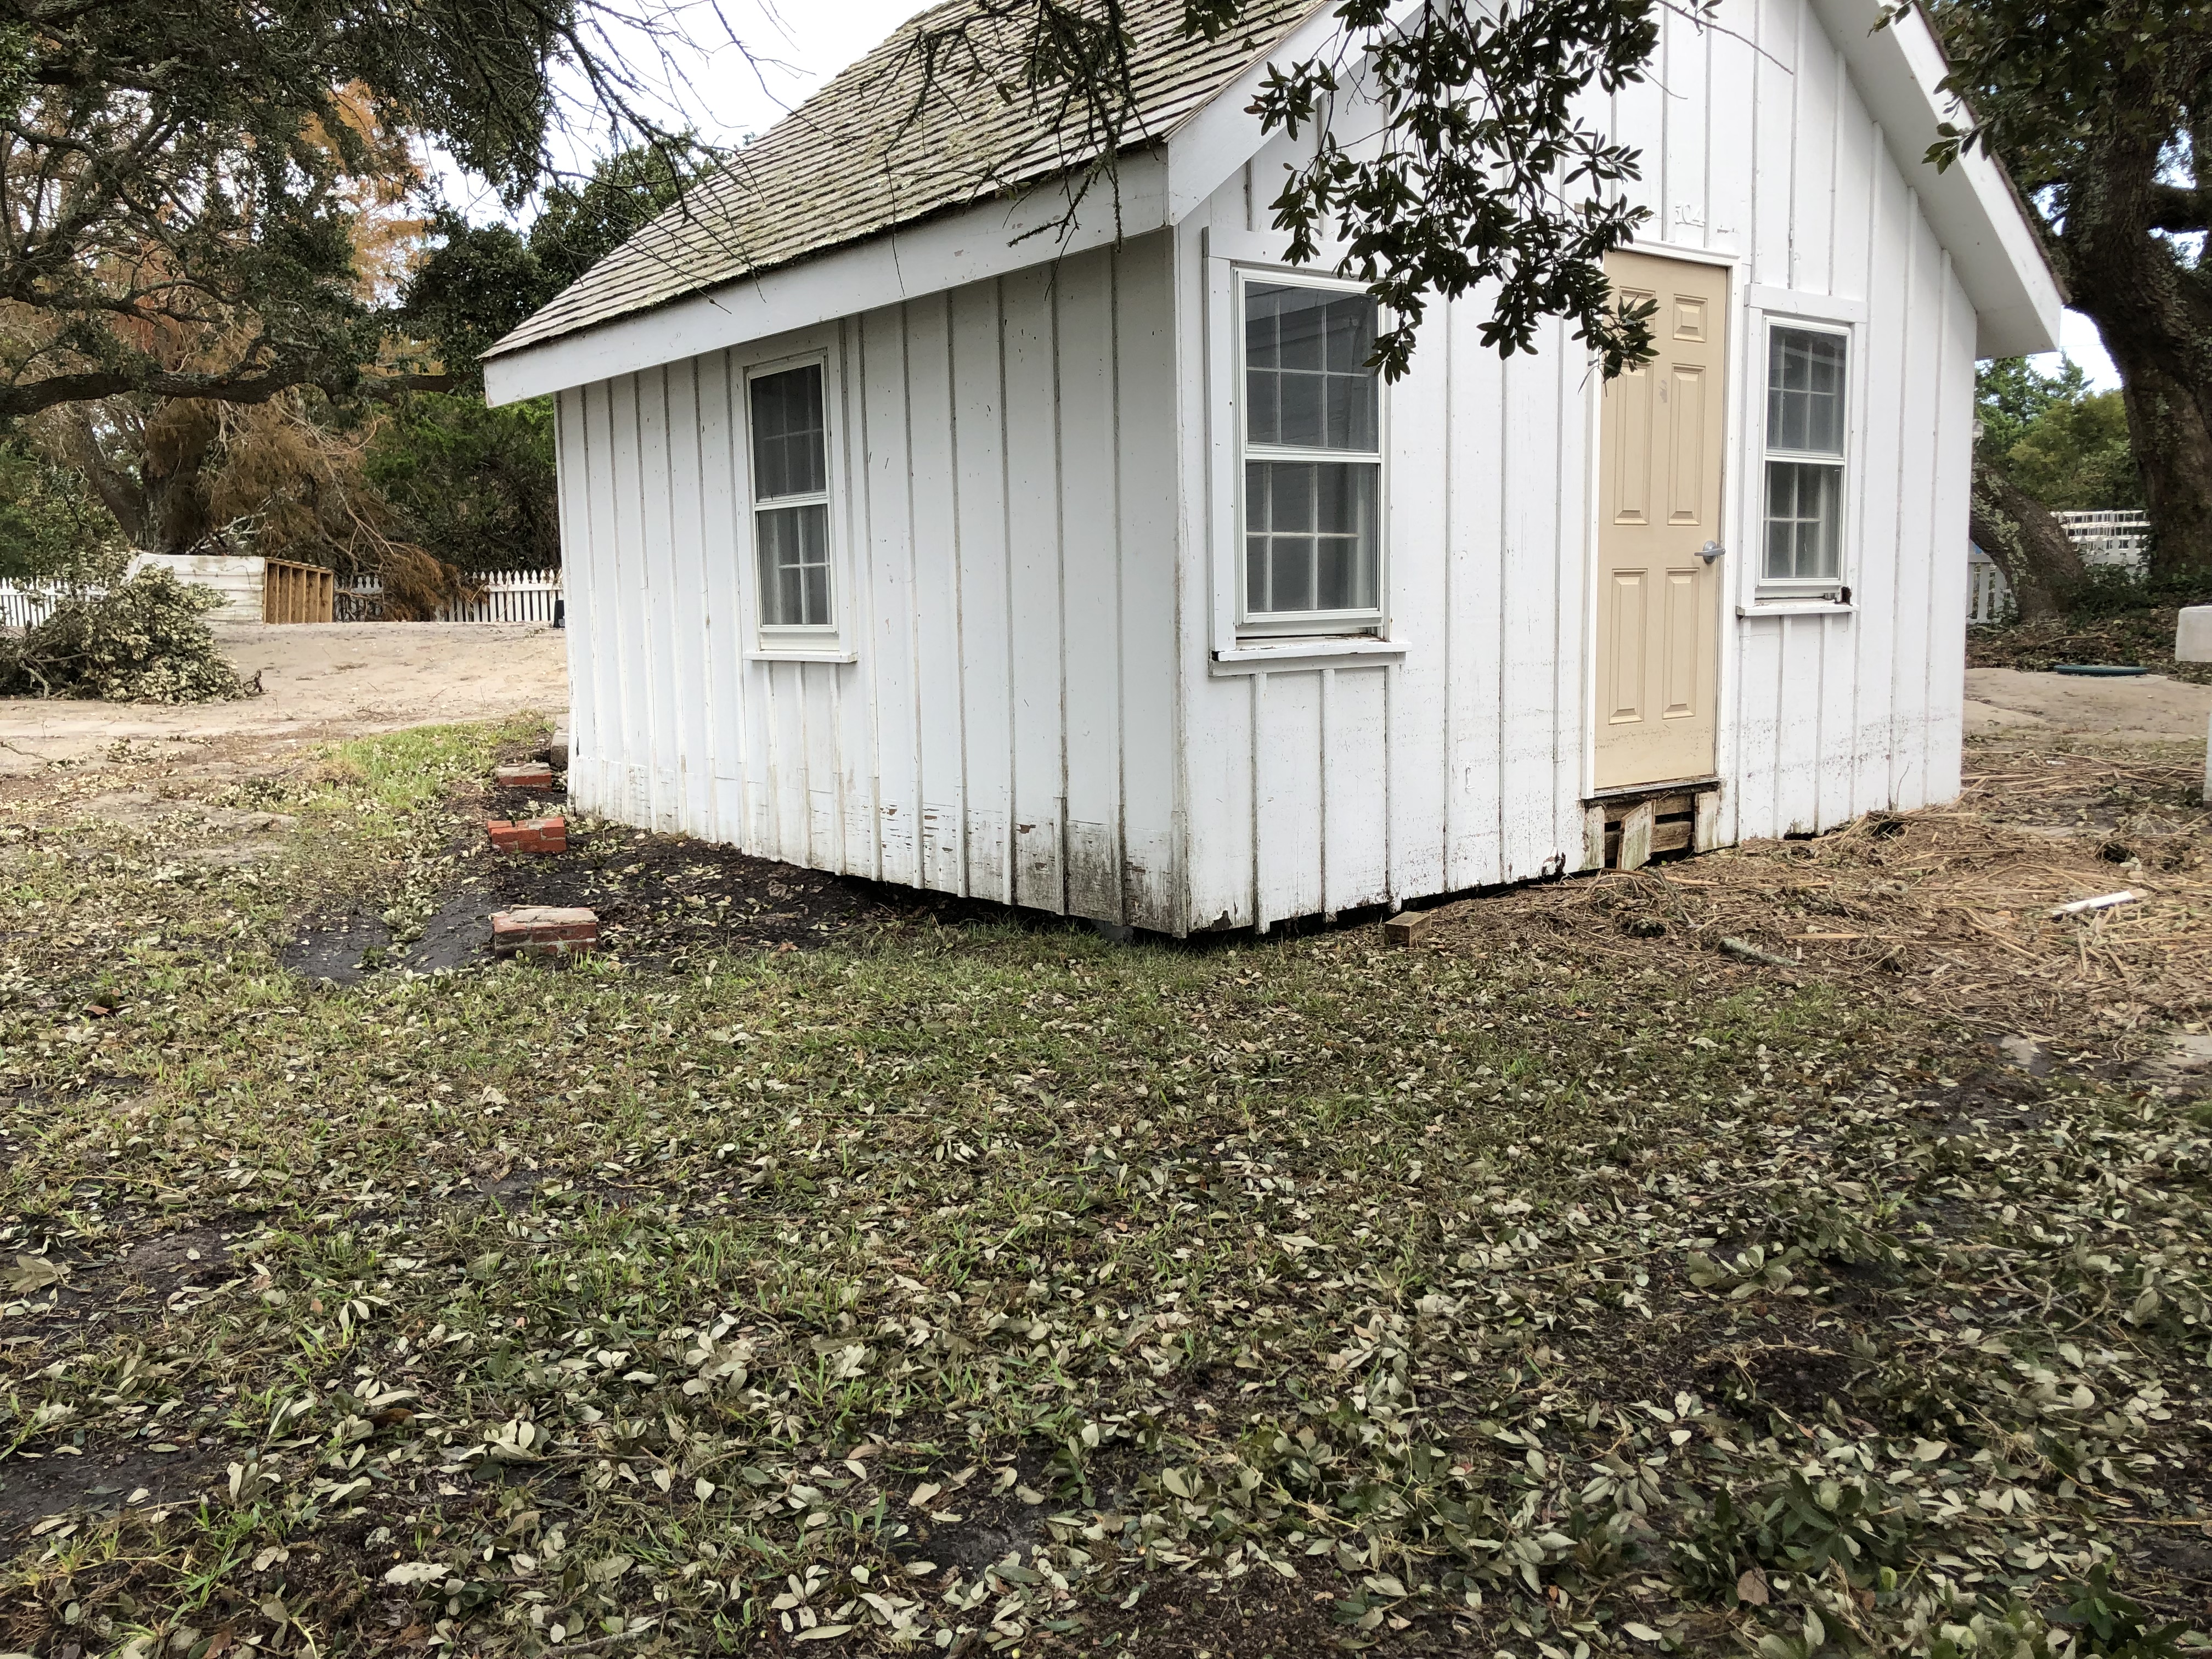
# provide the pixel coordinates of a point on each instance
(236, 576)
(1004, 477)
(1464, 762)
(1032, 712)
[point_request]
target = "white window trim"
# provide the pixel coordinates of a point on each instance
(795, 642)
(1772, 308)
(1240, 642)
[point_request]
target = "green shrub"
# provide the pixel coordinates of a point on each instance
(52, 524)
(474, 486)
(142, 641)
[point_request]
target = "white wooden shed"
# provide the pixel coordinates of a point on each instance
(1089, 570)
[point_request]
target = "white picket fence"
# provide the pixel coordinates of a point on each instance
(509, 596)
(1987, 593)
(2105, 537)
(26, 605)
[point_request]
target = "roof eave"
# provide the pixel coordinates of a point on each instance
(1994, 243)
(922, 257)
(1208, 146)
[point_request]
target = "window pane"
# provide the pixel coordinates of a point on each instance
(1311, 539)
(1804, 391)
(790, 440)
(1804, 521)
(1290, 494)
(1306, 380)
(794, 565)
(1263, 406)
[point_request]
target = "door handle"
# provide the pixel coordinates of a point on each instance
(1711, 551)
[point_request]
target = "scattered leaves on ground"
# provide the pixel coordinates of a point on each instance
(1562, 1288)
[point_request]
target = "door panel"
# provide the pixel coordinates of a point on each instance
(1627, 659)
(1658, 600)
(1686, 439)
(1682, 675)
(1630, 431)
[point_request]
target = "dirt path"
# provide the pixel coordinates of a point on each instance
(2136, 710)
(318, 683)
(350, 678)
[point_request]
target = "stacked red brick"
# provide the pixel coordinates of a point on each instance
(543, 930)
(537, 929)
(529, 835)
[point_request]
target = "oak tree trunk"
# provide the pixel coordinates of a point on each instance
(2040, 562)
(2154, 307)
(172, 465)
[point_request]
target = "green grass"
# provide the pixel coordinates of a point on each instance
(1246, 1299)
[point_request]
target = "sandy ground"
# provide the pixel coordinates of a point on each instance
(318, 683)
(348, 678)
(2137, 710)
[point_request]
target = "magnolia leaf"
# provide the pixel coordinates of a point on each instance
(34, 1273)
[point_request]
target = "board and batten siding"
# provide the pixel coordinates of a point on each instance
(1317, 789)
(1003, 513)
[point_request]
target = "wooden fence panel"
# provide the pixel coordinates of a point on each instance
(297, 593)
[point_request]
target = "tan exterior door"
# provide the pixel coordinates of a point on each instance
(1659, 466)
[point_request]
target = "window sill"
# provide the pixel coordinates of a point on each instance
(1798, 608)
(801, 653)
(1254, 658)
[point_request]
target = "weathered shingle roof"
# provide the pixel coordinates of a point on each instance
(860, 158)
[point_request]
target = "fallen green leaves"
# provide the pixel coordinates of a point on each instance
(962, 1290)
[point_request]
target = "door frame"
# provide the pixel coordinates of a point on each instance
(1724, 633)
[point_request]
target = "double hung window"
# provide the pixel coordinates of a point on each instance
(1805, 382)
(1312, 457)
(790, 497)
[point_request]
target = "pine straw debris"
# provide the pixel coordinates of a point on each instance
(1953, 903)
(2142, 638)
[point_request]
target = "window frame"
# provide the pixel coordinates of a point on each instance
(1845, 461)
(1369, 621)
(793, 642)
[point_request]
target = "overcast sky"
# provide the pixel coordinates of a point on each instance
(790, 49)
(747, 64)
(795, 47)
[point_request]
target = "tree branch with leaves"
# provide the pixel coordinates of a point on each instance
(179, 182)
(1472, 166)
(1451, 146)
